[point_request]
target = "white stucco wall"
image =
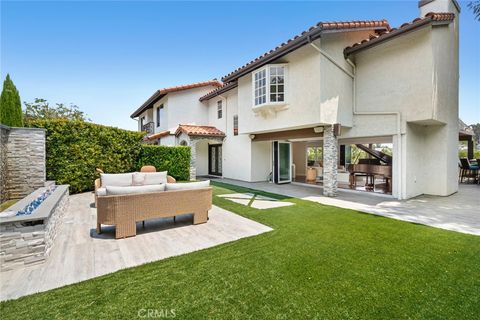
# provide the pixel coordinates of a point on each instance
(236, 150)
(336, 87)
(397, 76)
(302, 90)
(261, 160)
(185, 108)
(164, 125)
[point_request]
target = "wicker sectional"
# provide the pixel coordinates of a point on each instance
(124, 211)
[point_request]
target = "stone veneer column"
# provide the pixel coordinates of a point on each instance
(193, 159)
(330, 160)
(24, 149)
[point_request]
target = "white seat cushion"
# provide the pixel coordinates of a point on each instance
(101, 191)
(188, 185)
(112, 190)
(116, 179)
(155, 177)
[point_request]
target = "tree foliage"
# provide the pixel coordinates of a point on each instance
(475, 7)
(10, 105)
(40, 109)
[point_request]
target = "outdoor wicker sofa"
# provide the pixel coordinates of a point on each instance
(125, 210)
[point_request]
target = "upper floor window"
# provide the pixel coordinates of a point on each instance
(142, 123)
(235, 125)
(219, 109)
(269, 85)
(159, 114)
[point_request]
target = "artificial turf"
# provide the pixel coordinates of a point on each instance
(319, 262)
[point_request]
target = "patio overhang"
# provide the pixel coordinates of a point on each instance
(288, 135)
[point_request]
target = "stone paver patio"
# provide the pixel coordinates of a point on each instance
(255, 201)
(459, 212)
(80, 253)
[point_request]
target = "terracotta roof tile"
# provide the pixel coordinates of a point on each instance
(194, 130)
(418, 22)
(162, 92)
(157, 135)
(307, 35)
(214, 83)
(220, 90)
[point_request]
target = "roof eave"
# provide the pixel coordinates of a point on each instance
(148, 104)
(294, 45)
(372, 43)
(218, 92)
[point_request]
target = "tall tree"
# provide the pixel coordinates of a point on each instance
(10, 105)
(40, 109)
(475, 7)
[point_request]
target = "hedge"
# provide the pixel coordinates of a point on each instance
(76, 148)
(175, 160)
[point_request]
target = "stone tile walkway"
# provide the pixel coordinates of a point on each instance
(459, 212)
(80, 253)
(255, 201)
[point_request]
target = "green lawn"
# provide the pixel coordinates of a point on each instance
(319, 262)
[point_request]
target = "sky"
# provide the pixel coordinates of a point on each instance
(109, 57)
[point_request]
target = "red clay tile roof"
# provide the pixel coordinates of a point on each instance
(226, 87)
(304, 38)
(430, 17)
(194, 130)
(162, 92)
(157, 135)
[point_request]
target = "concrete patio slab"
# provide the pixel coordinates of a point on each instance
(459, 212)
(80, 253)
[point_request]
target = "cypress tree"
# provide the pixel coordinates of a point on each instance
(10, 105)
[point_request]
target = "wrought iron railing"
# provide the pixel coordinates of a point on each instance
(148, 128)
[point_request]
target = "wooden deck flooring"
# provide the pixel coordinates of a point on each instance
(80, 253)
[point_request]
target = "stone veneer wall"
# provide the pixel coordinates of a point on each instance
(29, 245)
(22, 161)
(3, 163)
(330, 158)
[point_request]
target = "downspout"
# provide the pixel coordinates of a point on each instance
(360, 113)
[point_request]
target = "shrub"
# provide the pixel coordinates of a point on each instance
(76, 148)
(175, 160)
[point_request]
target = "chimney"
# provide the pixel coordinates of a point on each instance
(426, 6)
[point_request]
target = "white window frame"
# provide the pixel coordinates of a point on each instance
(219, 109)
(285, 85)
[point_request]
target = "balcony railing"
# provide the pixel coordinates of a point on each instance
(148, 128)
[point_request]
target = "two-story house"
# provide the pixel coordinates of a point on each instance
(302, 106)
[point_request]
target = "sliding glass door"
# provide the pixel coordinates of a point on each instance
(282, 162)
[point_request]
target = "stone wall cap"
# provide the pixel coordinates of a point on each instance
(21, 128)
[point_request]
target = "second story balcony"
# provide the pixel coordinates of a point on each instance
(149, 128)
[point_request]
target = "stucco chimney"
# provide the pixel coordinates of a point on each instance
(426, 6)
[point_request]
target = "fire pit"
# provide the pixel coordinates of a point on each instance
(28, 234)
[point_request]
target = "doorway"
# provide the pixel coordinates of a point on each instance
(282, 162)
(215, 159)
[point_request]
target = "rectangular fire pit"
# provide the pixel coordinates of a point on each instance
(27, 239)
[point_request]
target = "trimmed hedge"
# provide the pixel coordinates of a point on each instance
(76, 148)
(175, 160)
